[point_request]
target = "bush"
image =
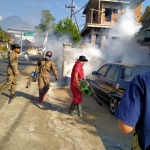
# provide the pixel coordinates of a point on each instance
(5, 48)
(1, 47)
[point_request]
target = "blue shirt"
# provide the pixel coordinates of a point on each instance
(134, 108)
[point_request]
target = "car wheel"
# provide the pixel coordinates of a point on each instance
(113, 105)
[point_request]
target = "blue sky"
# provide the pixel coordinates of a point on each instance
(30, 10)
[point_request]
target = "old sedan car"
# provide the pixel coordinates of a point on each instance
(110, 81)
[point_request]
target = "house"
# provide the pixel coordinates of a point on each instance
(143, 36)
(24, 37)
(102, 15)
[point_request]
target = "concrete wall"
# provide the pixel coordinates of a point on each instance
(138, 12)
(66, 50)
(114, 16)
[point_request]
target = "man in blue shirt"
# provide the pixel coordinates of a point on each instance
(134, 109)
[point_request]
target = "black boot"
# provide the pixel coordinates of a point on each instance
(71, 109)
(12, 95)
(79, 110)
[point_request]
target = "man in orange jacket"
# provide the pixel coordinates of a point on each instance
(76, 75)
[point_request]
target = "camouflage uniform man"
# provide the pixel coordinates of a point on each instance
(12, 71)
(44, 66)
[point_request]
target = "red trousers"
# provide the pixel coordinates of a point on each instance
(77, 95)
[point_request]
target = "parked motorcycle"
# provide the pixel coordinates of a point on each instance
(26, 57)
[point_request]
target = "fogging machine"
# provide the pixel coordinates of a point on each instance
(32, 78)
(84, 87)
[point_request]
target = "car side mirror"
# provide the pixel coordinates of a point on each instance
(94, 73)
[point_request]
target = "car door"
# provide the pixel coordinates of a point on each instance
(101, 74)
(96, 80)
(127, 74)
(109, 80)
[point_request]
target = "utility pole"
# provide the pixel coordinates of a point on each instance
(71, 7)
(72, 13)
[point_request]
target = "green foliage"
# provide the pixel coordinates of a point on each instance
(5, 48)
(46, 23)
(66, 26)
(4, 37)
(38, 30)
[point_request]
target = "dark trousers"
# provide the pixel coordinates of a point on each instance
(73, 106)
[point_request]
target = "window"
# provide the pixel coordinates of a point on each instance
(127, 73)
(108, 14)
(144, 69)
(115, 11)
(111, 72)
(135, 71)
(103, 70)
(94, 18)
(116, 74)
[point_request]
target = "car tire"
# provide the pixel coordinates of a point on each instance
(113, 105)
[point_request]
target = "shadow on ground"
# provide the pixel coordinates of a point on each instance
(99, 116)
(94, 115)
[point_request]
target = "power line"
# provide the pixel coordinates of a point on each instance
(82, 25)
(72, 13)
(76, 20)
(71, 7)
(79, 9)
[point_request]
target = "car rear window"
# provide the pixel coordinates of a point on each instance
(144, 69)
(130, 72)
(135, 71)
(127, 74)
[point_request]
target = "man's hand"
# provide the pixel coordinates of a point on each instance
(17, 73)
(57, 78)
(78, 84)
(36, 68)
(124, 127)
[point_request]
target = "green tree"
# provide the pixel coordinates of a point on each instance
(46, 23)
(66, 26)
(4, 37)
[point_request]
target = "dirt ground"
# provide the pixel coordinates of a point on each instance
(99, 117)
(27, 125)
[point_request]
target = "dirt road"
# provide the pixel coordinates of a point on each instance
(26, 125)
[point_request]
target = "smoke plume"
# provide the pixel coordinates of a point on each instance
(121, 46)
(124, 48)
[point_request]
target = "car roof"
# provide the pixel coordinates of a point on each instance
(124, 64)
